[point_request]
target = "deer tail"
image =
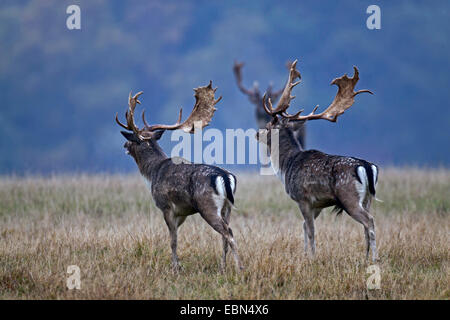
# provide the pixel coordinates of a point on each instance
(224, 184)
(371, 171)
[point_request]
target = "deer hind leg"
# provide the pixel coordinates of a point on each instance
(173, 222)
(356, 210)
(226, 210)
(367, 237)
(212, 213)
(363, 217)
(366, 206)
(372, 240)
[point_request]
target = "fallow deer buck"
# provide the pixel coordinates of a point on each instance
(255, 97)
(316, 180)
(178, 187)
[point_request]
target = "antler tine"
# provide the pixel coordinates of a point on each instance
(120, 123)
(362, 91)
(343, 100)
(269, 110)
(285, 99)
(291, 116)
(289, 64)
(237, 69)
(180, 115)
(174, 126)
(132, 100)
(143, 119)
(129, 114)
(152, 128)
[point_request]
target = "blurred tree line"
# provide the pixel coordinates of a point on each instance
(60, 88)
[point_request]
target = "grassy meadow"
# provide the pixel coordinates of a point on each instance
(109, 227)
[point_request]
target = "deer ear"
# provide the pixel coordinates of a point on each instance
(158, 134)
(130, 136)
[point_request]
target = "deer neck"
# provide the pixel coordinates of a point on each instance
(149, 160)
(288, 148)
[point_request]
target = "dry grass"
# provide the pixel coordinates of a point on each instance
(109, 227)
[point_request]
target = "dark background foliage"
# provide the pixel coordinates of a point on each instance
(60, 89)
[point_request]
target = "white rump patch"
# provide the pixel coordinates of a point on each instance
(232, 183)
(361, 187)
(375, 175)
(219, 199)
(220, 186)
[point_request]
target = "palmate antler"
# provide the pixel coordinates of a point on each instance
(343, 100)
(201, 114)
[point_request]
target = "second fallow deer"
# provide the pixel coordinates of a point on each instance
(316, 180)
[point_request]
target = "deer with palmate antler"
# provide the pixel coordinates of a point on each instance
(178, 187)
(316, 180)
(255, 97)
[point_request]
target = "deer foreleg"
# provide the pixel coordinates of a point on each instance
(172, 224)
(305, 235)
(311, 236)
(309, 215)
